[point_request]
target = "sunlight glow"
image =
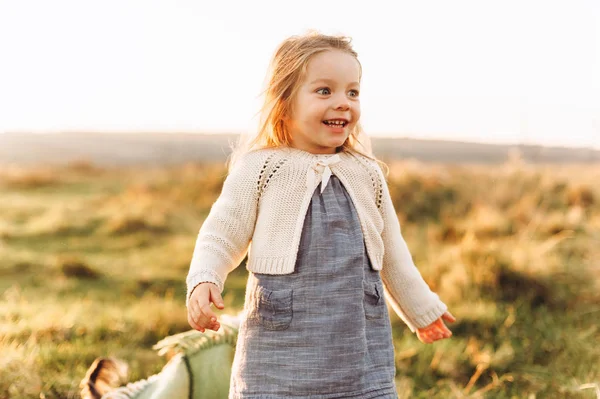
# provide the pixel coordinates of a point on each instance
(506, 72)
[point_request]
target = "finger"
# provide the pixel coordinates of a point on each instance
(207, 312)
(432, 328)
(423, 338)
(434, 335)
(195, 308)
(193, 323)
(202, 307)
(447, 332)
(426, 336)
(203, 321)
(215, 297)
(197, 315)
(213, 324)
(441, 329)
(444, 332)
(430, 333)
(449, 317)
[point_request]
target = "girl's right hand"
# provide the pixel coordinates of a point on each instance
(436, 330)
(200, 315)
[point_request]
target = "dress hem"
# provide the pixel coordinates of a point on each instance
(382, 392)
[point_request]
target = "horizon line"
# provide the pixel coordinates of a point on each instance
(234, 133)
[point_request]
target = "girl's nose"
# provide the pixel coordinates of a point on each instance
(343, 105)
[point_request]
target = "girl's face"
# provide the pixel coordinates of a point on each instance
(327, 106)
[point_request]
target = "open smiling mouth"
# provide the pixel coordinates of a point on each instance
(335, 123)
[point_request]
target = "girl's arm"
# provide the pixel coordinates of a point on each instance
(225, 235)
(408, 293)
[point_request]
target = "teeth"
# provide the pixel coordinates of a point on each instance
(335, 122)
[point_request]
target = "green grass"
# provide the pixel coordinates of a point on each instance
(93, 263)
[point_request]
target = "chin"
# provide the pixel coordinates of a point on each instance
(339, 143)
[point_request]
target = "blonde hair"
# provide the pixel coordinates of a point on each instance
(286, 71)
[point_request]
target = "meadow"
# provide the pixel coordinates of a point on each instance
(93, 262)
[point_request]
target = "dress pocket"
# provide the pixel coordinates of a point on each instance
(274, 308)
(373, 300)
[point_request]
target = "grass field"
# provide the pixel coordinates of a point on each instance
(93, 263)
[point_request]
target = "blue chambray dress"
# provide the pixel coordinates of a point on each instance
(323, 331)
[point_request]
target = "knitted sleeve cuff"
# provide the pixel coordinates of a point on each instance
(425, 319)
(416, 321)
(202, 276)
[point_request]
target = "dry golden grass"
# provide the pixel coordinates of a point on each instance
(93, 263)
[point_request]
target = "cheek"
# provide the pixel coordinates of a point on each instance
(313, 113)
(356, 111)
(307, 111)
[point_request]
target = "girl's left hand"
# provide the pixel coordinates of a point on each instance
(436, 330)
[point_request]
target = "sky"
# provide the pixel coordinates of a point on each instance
(510, 71)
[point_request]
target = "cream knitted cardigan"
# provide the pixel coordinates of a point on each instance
(261, 209)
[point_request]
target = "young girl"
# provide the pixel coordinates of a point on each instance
(308, 202)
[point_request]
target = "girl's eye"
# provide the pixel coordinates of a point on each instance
(323, 88)
(355, 93)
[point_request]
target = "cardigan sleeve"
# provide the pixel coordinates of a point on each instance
(225, 235)
(406, 290)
